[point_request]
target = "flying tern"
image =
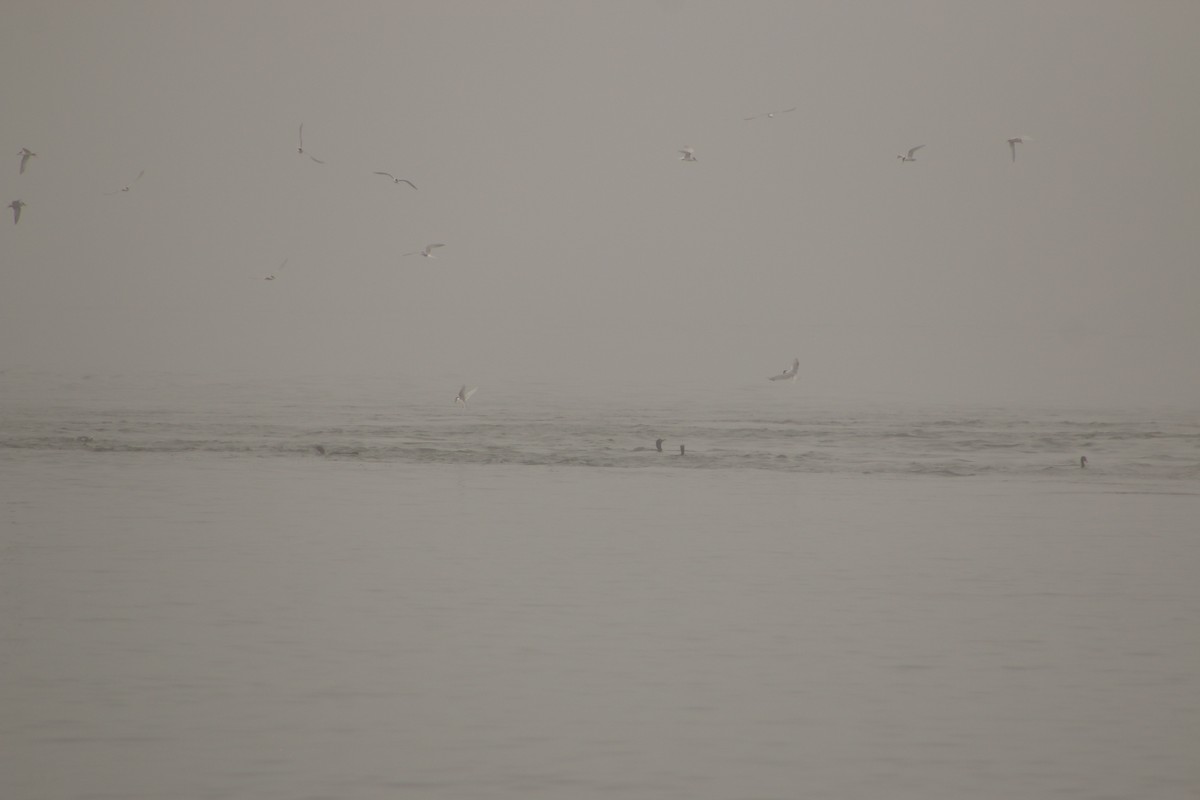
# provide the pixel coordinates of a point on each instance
(126, 188)
(688, 154)
(25, 155)
(1016, 140)
(910, 156)
(788, 374)
(282, 264)
(16, 206)
(464, 394)
(427, 252)
(397, 180)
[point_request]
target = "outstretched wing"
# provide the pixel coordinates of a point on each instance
(390, 175)
(915, 149)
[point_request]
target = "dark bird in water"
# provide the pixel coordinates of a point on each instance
(1083, 462)
(658, 444)
(680, 449)
(320, 449)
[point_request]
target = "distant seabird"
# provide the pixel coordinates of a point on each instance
(680, 449)
(397, 180)
(771, 114)
(427, 252)
(271, 277)
(1083, 462)
(1016, 140)
(788, 374)
(689, 154)
(25, 155)
(658, 444)
(300, 149)
(126, 188)
(910, 156)
(16, 206)
(464, 394)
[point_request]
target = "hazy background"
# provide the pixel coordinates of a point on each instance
(543, 137)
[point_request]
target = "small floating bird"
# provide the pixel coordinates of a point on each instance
(1016, 140)
(464, 394)
(16, 206)
(689, 154)
(910, 156)
(771, 114)
(25, 155)
(397, 180)
(126, 188)
(427, 252)
(788, 374)
(681, 450)
(1083, 462)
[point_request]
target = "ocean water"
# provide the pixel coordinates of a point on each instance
(820, 599)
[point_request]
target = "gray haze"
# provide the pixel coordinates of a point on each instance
(544, 138)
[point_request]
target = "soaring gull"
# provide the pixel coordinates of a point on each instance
(788, 374)
(25, 155)
(688, 154)
(910, 156)
(397, 180)
(16, 206)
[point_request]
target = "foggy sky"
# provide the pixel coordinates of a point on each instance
(579, 249)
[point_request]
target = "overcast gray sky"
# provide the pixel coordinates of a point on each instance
(543, 137)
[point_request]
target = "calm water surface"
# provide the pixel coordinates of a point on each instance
(512, 602)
